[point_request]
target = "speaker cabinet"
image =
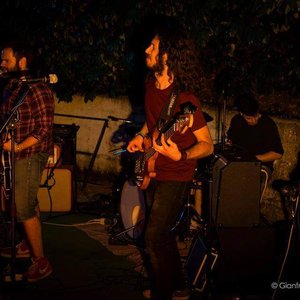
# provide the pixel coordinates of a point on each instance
(55, 192)
(236, 192)
(66, 136)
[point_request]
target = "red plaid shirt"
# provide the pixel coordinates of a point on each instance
(36, 115)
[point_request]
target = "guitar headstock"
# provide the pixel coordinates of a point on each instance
(180, 122)
(185, 116)
(187, 108)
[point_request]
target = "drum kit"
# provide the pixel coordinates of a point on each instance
(131, 212)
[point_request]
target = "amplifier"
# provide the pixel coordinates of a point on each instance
(55, 158)
(55, 192)
(66, 136)
(236, 192)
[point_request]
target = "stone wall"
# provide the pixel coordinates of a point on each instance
(90, 130)
(106, 162)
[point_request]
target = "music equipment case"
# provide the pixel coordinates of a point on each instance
(198, 262)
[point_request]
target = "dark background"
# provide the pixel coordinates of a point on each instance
(96, 47)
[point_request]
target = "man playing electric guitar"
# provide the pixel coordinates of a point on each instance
(175, 79)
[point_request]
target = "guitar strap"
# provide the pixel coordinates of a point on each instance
(167, 111)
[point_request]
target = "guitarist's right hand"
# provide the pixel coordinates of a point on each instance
(136, 144)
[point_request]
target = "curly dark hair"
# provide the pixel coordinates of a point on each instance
(183, 60)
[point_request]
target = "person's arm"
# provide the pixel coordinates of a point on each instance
(136, 144)
(274, 149)
(28, 142)
(268, 156)
(42, 109)
(203, 148)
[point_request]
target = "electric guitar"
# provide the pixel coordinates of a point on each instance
(144, 168)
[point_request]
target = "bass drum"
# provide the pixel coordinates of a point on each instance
(132, 208)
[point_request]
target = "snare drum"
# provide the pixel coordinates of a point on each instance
(132, 208)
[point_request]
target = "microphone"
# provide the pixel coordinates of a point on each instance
(51, 78)
(23, 76)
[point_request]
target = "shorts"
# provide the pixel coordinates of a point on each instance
(28, 173)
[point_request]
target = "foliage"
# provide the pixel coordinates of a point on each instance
(96, 46)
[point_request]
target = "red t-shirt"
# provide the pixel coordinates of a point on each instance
(166, 168)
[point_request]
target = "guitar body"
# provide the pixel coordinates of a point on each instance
(6, 163)
(5, 178)
(145, 167)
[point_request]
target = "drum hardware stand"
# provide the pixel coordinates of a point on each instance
(96, 150)
(204, 240)
(225, 90)
(121, 238)
(94, 155)
(188, 213)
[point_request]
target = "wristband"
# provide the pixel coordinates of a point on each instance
(183, 155)
(141, 134)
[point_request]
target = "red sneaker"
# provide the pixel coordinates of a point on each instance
(22, 251)
(39, 269)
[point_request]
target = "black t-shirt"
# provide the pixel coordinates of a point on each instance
(258, 139)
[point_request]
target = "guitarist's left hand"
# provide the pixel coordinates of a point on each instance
(168, 148)
(7, 145)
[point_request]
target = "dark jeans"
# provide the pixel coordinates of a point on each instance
(164, 199)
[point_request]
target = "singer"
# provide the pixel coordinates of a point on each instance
(33, 144)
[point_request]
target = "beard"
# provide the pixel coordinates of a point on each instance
(15, 69)
(155, 68)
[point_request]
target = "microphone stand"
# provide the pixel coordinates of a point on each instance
(10, 126)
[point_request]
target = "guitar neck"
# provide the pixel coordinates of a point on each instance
(167, 134)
